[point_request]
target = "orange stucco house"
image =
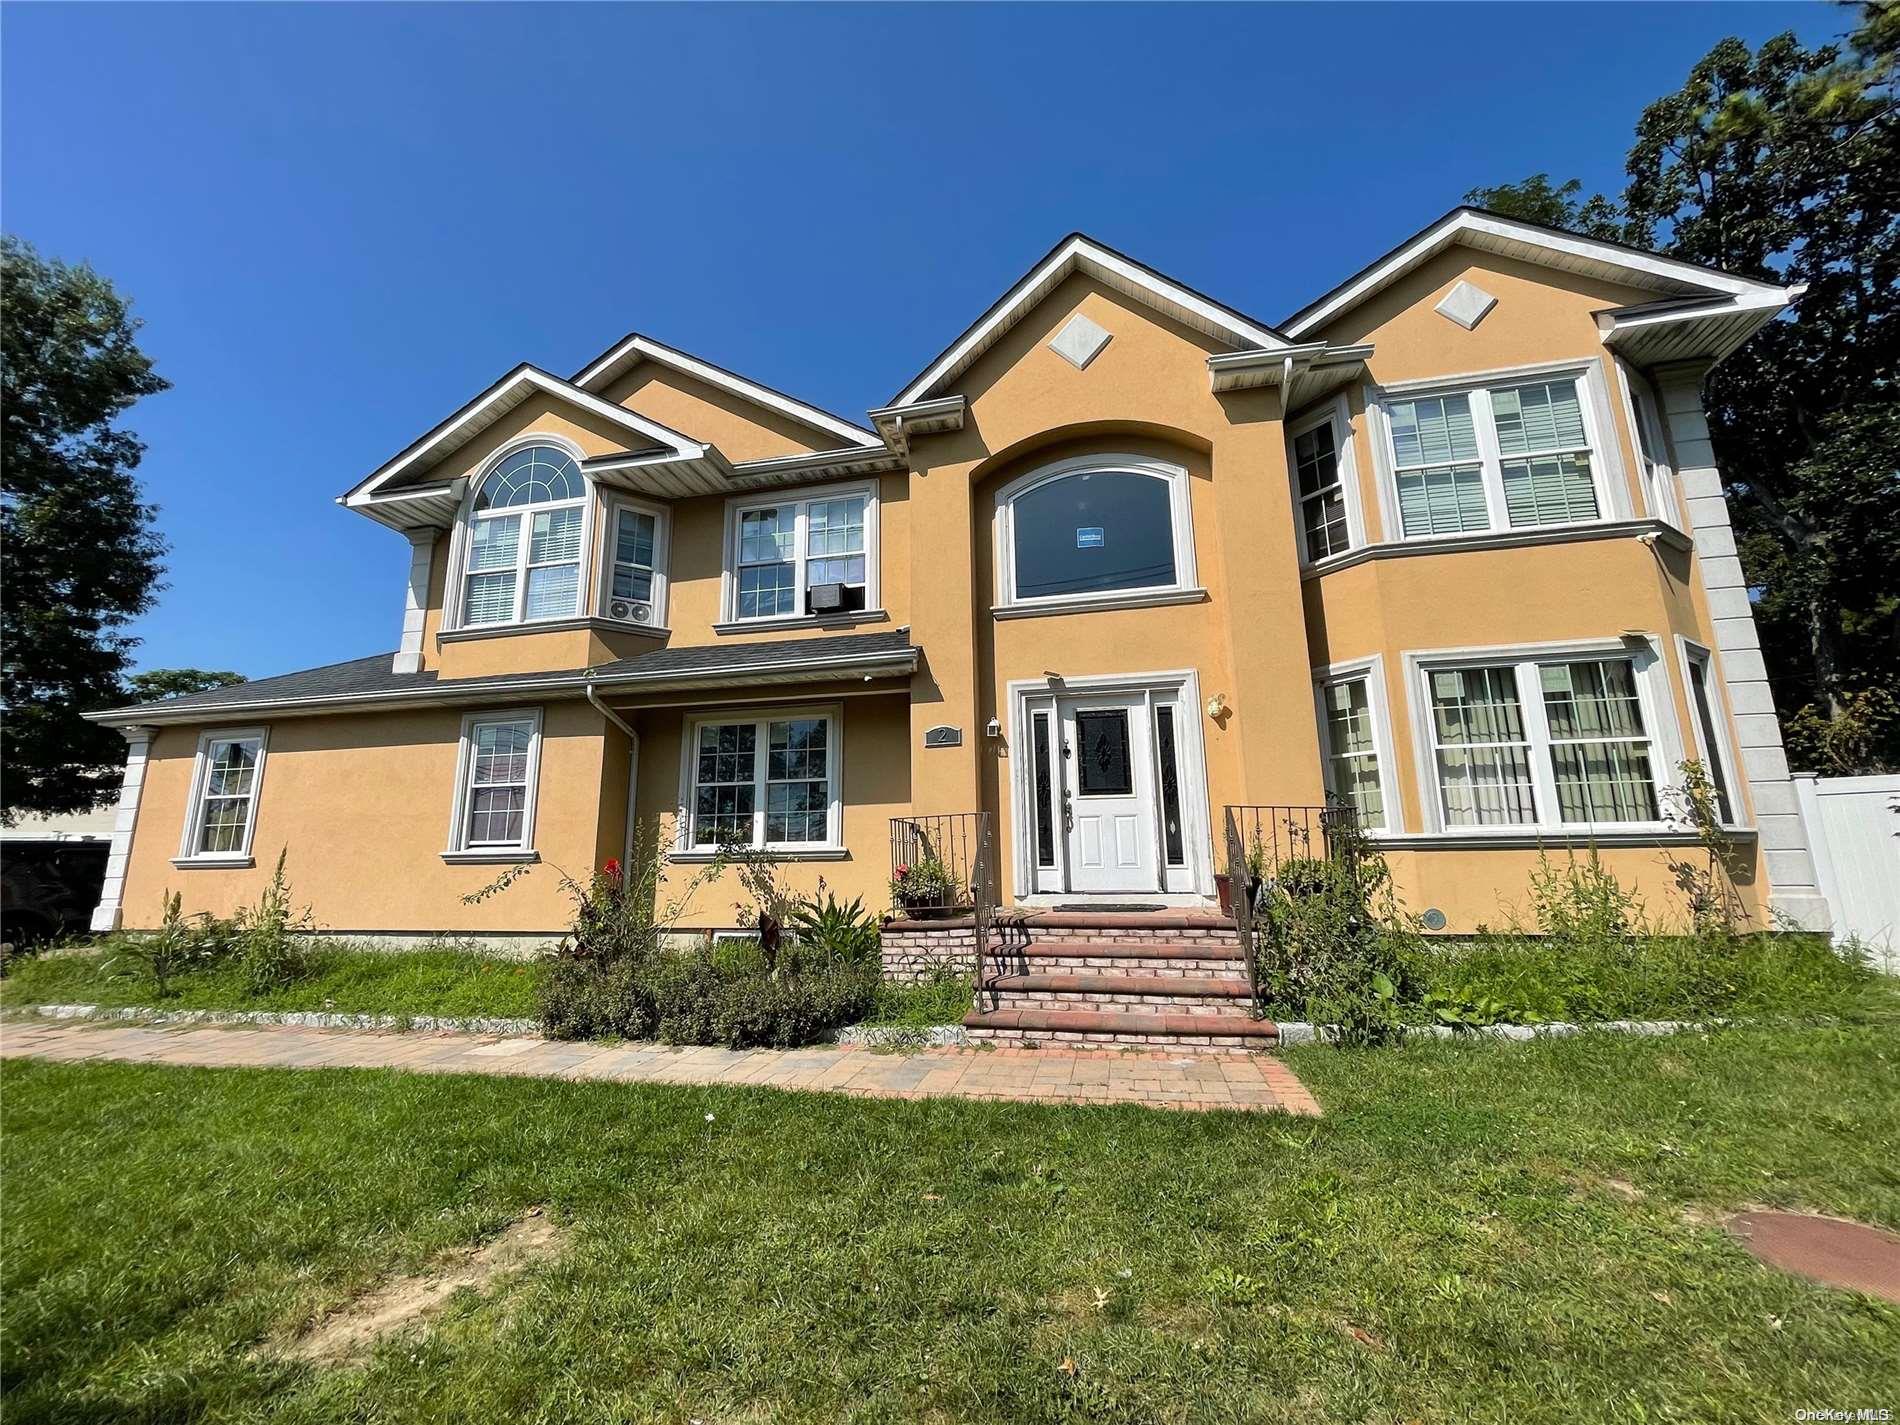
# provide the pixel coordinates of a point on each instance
(1447, 544)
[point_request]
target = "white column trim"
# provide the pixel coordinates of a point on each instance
(415, 600)
(138, 743)
(1794, 888)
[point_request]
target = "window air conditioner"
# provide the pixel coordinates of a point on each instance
(630, 610)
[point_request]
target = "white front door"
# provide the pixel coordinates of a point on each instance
(1108, 793)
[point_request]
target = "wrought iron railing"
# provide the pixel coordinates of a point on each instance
(943, 866)
(1264, 847)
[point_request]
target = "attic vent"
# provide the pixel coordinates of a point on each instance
(1466, 305)
(1079, 341)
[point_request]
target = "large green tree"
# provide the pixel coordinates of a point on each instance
(1784, 163)
(156, 683)
(80, 559)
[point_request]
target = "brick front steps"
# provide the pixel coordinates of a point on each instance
(1165, 979)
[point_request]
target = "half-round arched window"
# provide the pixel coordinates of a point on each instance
(1107, 528)
(526, 530)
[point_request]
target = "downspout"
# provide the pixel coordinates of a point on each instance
(633, 764)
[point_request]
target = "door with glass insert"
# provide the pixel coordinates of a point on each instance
(1108, 794)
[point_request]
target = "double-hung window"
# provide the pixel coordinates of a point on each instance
(495, 785)
(1659, 481)
(635, 561)
(223, 809)
(1560, 741)
(762, 781)
(1354, 768)
(1512, 455)
(811, 555)
(1321, 469)
(525, 535)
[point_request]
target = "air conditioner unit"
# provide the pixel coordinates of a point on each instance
(630, 610)
(827, 598)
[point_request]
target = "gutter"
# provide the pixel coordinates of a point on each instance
(454, 692)
(615, 718)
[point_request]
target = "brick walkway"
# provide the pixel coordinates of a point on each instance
(1197, 1081)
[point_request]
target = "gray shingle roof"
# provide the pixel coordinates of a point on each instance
(370, 679)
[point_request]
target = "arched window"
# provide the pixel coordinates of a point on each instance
(1102, 528)
(524, 539)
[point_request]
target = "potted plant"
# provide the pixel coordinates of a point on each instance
(926, 889)
(1255, 872)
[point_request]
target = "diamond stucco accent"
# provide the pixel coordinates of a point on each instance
(1080, 341)
(1466, 305)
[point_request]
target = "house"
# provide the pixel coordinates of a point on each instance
(1447, 543)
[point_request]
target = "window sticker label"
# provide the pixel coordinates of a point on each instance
(1090, 537)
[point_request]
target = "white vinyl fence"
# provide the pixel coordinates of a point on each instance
(1854, 826)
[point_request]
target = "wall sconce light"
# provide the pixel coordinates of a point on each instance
(1217, 706)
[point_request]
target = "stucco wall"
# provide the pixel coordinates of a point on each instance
(363, 804)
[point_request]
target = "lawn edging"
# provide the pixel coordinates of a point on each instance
(1295, 1031)
(905, 1036)
(300, 1018)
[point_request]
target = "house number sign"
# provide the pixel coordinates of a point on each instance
(943, 737)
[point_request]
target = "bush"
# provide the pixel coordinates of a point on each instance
(844, 933)
(269, 938)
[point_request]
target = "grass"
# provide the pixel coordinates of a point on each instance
(1527, 979)
(942, 999)
(1443, 1246)
(446, 981)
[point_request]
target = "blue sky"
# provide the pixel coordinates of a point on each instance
(339, 222)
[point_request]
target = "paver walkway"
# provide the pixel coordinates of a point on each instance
(1194, 1081)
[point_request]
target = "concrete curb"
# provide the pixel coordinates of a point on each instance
(305, 1019)
(905, 1036)
(1299, 1032)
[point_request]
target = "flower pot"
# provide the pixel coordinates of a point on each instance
(1224, 888)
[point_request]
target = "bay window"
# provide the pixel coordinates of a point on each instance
(762, 780)
(524, 538)
(1505, 455)
(1562, 740)
(1353, 761)
(807, 556)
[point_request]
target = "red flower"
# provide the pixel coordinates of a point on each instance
(902, 871)
(611, 870)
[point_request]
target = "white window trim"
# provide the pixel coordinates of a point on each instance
(832, 847)
(188, 853)
(1659, 718)
(1606, 465)
(1186, 584)
(1371, 672)
(455, 591)
(1642, 408)
(802, 498)
(459, 851)
(1339, 413)
(662, 544)
(1688, 652)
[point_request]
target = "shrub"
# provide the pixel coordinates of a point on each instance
(1332, 944)
(842, 933)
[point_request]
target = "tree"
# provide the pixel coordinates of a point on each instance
(156, 683)
(81, 559)
(1784, 164)
(1535, 200)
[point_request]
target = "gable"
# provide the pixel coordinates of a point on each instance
(1079, 255)
(1150, 370)
(741, 428)
(1649, 273)
(1537, 315)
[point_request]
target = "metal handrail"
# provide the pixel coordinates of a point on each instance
(982, 913)
(1240, 893)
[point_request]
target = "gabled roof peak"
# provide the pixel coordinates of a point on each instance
(1080, 252)
(635, 347)
(1498, 233)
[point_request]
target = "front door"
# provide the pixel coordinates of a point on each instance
(1108, 793)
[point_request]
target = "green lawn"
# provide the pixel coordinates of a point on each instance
(454, 982)
(1442, 1246)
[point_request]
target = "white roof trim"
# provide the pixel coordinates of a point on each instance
(505, 394)
(1640, 269)
(1080, 253)
(616, 363)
